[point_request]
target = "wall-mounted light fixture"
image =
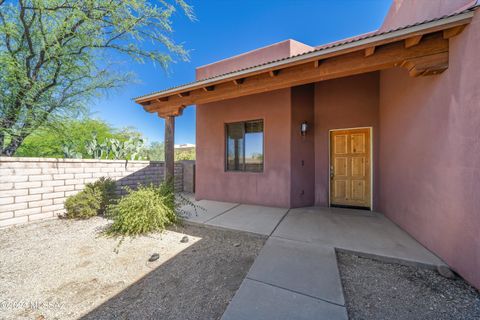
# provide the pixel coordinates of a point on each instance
(304, 128)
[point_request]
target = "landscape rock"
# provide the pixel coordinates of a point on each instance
(154, 257)
(445, 271)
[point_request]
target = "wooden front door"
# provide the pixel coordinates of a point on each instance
(350, 173)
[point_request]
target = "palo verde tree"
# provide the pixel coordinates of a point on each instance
(55, 55)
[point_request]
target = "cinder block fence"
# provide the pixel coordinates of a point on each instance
(36, 188)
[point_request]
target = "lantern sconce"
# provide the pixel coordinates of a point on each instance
(304, 128)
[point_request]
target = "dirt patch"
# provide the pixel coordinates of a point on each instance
(67, 270)
(377, 290)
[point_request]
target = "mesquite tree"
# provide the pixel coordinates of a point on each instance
(57, 54)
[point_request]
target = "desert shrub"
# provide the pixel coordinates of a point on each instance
(147, 209)
(106, 188)
(84, 204)
(92, 200)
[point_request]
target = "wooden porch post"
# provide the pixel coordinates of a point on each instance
(169, 147)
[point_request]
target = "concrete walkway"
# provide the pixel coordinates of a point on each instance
(295, 276)
(249, 218)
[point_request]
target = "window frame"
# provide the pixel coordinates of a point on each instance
(226, 146)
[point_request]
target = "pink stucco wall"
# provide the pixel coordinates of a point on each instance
(302, 147)
(344, 103)
(407, 12)
(288, 178)
(271, 187)
(269, 53)
(430, 154)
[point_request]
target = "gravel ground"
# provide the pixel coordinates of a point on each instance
(377, 290)
(63, 269)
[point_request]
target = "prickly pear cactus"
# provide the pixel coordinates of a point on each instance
(69, 151)
(93, 148)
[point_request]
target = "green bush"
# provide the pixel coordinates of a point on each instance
(147, 209)
(91, 201)
(83, 205)
(106, 188)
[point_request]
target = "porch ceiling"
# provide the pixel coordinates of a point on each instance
(422, 49)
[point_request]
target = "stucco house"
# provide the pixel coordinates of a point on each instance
(387, 121)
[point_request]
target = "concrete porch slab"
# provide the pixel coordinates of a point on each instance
(305, 268)
(256, 300)
(206, 210)
(250, 218)
(355, 230)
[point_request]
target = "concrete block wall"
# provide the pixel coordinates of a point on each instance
(34, 189)
(188, 175)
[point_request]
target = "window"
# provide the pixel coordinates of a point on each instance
(244, 146)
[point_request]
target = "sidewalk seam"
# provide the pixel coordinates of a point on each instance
(280, 221)
(218, 215)
(297, 292)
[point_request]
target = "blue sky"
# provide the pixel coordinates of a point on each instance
(225, 28)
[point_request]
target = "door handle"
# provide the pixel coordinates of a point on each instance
(331, 172)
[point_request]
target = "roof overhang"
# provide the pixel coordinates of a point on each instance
(422, 49)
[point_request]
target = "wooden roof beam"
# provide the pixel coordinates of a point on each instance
(238, 81)
(428, 65)
(452, 32)
(183, 94)
(369, 51)
(208, 88)
(413, 41)
(273, 73)
(170, 111)
(386, 56)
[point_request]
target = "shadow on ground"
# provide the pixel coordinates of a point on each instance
(379, 290)
(197, 283)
